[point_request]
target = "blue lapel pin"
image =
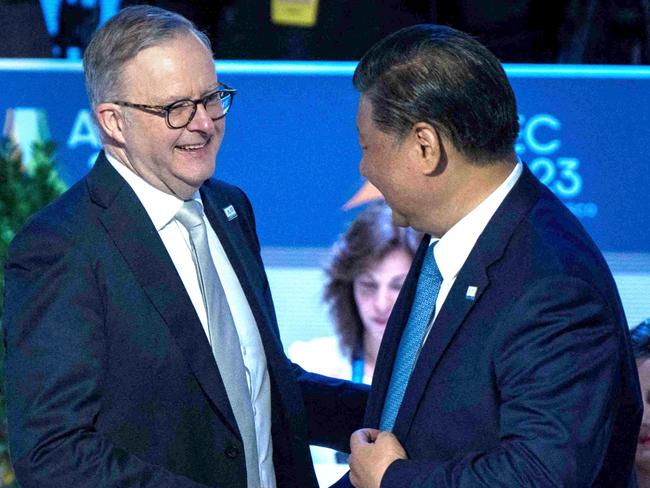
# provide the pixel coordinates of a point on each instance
(230, 212)
(470, 294)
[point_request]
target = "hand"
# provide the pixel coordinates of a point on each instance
(372, 452)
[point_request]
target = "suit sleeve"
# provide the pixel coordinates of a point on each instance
(334, 408)
(56, 359)
(557, 369)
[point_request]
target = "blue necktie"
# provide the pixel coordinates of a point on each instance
(422, 311)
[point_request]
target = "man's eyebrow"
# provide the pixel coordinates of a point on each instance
(214, 88)
(176, 98)
(168, 100)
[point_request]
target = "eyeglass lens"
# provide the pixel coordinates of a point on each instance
(216, 106)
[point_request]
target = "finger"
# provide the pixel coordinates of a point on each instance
(358, 439)
(353, 464)
(353, 479)
(385, 436)
(387, 440)
(364, 436)
(371, 434)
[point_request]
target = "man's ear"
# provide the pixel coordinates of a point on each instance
(111, 120)
(429, 147)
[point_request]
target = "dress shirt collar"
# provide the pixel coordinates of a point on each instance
(160, 206)
(454, 247)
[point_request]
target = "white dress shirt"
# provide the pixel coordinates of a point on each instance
(161, 208)
(453, 248)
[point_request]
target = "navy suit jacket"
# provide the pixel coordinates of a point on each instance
(110, 379)
(532, 381)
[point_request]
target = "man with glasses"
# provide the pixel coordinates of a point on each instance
(142, 345)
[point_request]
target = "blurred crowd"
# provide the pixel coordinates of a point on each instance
(525, 31)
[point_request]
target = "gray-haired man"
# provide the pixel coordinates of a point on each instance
(142, 345)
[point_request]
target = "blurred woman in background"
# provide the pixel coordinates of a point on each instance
(364, 276)
(366, 271)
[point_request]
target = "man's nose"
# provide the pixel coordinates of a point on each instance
(201, 120)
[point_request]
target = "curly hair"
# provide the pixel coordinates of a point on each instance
(371, 236)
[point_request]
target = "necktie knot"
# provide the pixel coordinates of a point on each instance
(429, 266)
(190, 214)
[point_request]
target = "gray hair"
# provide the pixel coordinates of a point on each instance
(121, 38)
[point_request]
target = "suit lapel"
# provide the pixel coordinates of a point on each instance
(245, 265)
(449, 319)
(137, 240)
(254, 284)
(488, 249)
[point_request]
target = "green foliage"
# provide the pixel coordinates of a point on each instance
(23, 191)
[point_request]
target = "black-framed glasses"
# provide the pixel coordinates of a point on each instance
(181, 112)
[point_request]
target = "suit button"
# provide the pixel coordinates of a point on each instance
(232, 452)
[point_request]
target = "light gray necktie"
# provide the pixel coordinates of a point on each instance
(223, 335)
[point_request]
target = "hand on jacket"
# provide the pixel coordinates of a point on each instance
(372, 452)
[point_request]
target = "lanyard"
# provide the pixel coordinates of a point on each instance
(357, 370)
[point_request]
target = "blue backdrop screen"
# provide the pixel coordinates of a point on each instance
(291, 140)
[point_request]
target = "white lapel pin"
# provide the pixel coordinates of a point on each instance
(230, 212)
(470, 294)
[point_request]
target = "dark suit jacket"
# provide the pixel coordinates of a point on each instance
(532, 383)
(110, 379)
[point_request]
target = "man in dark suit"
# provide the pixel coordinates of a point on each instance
(142, 344)
(506, 360)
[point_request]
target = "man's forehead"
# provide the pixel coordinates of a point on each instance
(364, 113)
(174, 69)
